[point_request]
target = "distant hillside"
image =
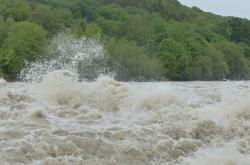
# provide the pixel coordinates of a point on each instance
(144, 39)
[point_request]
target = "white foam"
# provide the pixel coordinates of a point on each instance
(57, 119)
(227, 155)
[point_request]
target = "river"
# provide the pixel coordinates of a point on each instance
(52, 118)
(59, 121)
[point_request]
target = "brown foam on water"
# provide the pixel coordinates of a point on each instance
(60, 121)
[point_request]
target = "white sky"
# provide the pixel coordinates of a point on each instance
(238, 8)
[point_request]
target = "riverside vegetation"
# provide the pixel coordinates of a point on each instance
(143, 39)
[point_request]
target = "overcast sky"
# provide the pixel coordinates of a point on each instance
(238, 8)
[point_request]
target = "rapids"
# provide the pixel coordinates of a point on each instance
(60, 121)
(52, 118)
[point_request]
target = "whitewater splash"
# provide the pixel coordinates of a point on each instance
(81, 58)
(61, 121)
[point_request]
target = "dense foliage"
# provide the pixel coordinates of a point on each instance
(144, 39)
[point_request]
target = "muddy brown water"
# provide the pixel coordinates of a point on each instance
(62, 122)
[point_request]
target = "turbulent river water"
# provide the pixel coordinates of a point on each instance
(54, 119)
(62, 122)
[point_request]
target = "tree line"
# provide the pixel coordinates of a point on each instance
(144, 39)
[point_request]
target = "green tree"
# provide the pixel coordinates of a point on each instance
(235, 59)
(24, 41)
(17, 9)
(212, 65)
(174, 59)
(3, 29)
(130, 62)
(45, 16)
(190, 44)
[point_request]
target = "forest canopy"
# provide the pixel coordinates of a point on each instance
(143, 39)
